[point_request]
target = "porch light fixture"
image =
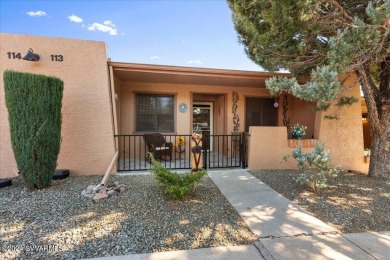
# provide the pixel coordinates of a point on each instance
(31, 56)
(276, 104)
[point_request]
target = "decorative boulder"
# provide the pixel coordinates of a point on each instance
(89, 192)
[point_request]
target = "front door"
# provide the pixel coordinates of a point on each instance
(202, 120)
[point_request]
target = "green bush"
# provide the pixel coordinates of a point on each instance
(314, 167)
(34, 114)
(176, 185)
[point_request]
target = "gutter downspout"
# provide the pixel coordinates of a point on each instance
(115, 121)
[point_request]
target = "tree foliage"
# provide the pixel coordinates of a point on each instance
(34, 113)
(317, 41)
(314, 167)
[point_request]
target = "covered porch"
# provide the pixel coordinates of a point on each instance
(176, 101)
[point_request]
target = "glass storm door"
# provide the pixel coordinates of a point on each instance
(202, 120)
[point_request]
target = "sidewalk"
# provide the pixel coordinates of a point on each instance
(286, 231)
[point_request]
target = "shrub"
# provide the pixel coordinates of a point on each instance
(34, 114)
(176, 185)
(314, 167)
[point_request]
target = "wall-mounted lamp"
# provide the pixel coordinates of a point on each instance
(276, 104)
(31, 56)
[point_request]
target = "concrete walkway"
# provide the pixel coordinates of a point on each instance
(266, 212)
(286, 231)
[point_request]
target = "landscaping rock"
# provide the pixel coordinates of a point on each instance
(142, 220)
(102, 194)
(89, 192)
(112, 189)
(90, 196)
(112, 193)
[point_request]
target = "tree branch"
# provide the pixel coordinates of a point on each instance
(337, 6)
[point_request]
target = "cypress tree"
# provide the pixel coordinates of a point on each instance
(34, 112)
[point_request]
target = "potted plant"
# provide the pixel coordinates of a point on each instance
(298, 131)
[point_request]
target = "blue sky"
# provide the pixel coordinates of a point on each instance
(180, 33)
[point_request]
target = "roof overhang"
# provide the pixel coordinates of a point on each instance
(133, 72)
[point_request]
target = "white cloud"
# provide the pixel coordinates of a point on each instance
(106, 27)
(155, 57)
(109, 23)
(36, 13)
(75, 18)
(194, 62)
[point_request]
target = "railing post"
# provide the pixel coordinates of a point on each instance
(243, 150)
(205, 145)
(117, 140)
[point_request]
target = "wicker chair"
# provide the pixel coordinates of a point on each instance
(157, 146)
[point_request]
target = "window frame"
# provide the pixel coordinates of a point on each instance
(155, 95)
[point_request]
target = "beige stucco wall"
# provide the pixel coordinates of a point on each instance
(87, 135)
(183, 93)
(344, 139)
(268, 146)
(303, 114)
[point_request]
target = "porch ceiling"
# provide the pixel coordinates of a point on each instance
(188, 75)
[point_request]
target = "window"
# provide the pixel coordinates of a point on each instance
(260, 112)
(154, 113)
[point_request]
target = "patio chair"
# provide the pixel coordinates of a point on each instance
(157, 146)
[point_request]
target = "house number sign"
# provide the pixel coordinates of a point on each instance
(16, 55)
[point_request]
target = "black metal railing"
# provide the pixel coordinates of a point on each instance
(225, 151)
(173, 151)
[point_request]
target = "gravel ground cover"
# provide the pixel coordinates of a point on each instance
(352, 202)
(140, 220)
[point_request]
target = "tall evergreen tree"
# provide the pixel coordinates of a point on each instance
(34, 112)
(319, 40)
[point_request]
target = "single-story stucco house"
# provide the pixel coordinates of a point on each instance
(108, 107)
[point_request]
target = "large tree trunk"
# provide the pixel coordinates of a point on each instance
(378, 106)
(380, 155)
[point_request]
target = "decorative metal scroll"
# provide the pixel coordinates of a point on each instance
(196, 151)
(236, 118)
(286, 120)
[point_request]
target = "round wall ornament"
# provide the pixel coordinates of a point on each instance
(183, 107)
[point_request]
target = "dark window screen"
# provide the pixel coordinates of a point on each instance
(154, 113)
(260, 112)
